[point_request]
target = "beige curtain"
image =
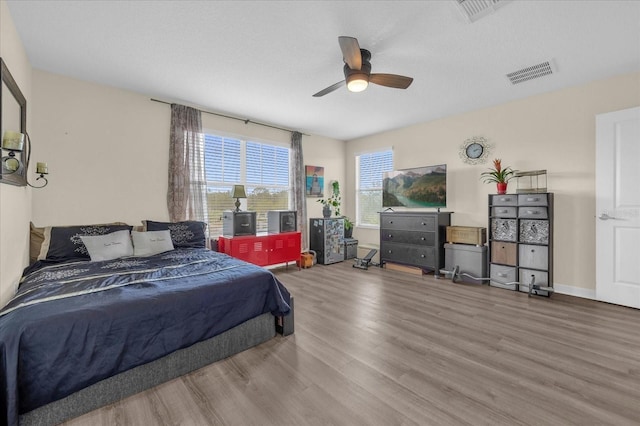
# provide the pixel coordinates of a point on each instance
(298, 180)
(187, 194)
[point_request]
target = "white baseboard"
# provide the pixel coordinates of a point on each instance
(569, 290)
(369, 246)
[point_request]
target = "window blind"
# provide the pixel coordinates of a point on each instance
(370, 168)
(263, 169)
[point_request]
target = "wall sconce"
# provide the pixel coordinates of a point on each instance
(41, 169)
(238, 192)
(14, 142)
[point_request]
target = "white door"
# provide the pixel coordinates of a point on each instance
(618, 207)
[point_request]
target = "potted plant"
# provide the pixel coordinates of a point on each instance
(501, 176)
(332, 200)
(348, 227)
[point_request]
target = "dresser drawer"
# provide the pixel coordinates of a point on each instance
(409, 223)
(535, 257)
(502, 211)
(534, 231)
(504, 253)
(532, 199)
(408, 237)
(501, 275)
(504, 229)
(408, 254)
(532, 212)
(504, 200)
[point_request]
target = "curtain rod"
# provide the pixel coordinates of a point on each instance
(246, 120)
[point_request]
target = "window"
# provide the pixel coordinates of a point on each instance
(369, 169)
(263, 169)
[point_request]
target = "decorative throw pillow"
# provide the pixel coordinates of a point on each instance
(64, 242)
(187, 234)
(36, 238)
(151, 242)
(108, 247)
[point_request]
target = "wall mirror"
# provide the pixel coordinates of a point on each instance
(13, 117)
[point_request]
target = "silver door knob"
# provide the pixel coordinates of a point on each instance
(605, 216)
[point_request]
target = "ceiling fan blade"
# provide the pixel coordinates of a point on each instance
(391, 80)
(351, 52)
(330, 89)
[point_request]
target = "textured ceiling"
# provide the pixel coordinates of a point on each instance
(263, 60)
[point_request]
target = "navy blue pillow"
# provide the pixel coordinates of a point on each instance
(187, 234)
(64, 242)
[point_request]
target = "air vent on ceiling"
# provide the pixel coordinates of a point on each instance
(534, 71)
(476, 9)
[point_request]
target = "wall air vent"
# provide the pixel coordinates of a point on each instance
(476, 9)
(534, 71)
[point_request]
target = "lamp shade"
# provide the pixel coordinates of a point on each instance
(238, 192)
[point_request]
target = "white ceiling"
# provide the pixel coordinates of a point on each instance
(263, 60)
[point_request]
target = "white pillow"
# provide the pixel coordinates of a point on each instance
(109, 246)
(151, 242)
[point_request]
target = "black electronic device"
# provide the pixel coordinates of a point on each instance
(238, 223)
(281, 221)
(365, 261)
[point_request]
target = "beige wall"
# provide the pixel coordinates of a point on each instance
(553, 131)
(107, 151)
(15, 202)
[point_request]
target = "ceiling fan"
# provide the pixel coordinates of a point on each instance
(357, 70)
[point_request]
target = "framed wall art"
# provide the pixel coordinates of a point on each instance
(315, 181)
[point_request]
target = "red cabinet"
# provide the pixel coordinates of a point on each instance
(263, 249)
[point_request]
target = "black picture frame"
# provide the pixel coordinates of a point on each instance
(13, 104)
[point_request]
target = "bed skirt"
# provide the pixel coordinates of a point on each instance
(242, 337)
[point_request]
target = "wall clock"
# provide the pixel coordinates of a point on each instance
(475, 150)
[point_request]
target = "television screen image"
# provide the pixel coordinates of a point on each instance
(417, 187)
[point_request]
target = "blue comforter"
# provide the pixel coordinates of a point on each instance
(73, 324)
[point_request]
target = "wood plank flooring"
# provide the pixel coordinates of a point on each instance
(381, 347)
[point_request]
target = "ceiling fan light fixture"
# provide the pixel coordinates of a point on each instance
(357, 82)
(357, 70)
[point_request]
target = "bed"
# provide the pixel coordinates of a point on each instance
(80, 334)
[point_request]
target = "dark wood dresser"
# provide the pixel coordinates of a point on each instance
(414, 239)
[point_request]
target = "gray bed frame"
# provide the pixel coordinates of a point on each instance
(107, 391)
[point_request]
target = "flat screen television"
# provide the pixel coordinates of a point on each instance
(417, 187)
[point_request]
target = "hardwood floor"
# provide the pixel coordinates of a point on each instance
(381, 347)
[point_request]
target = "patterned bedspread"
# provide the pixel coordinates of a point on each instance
(73, 324)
